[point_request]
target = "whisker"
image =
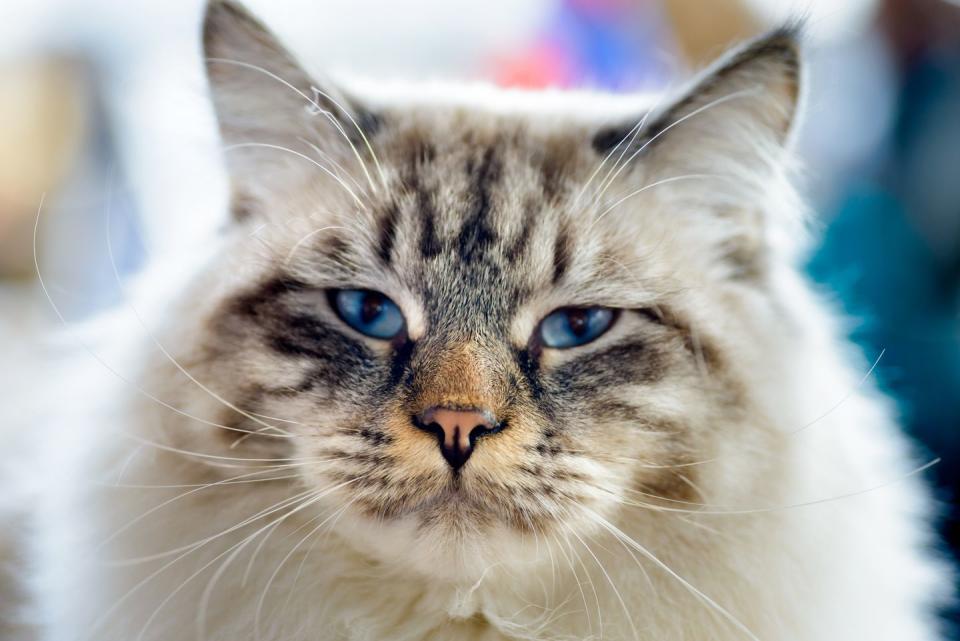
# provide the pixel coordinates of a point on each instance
(657, 183)
(615, 170)
(318, 109)
(593, 587)
(710, 105)
(715, 510)
(666, 568)
(195, 490)
(613, 586)
(194, 545)
(632, 460)
(123, 469)
(632, 135)
(338, 168)
(213, 457)
(215, 578)
(176, 486)
(307, 555)
(156, 342)
(273, 576)
(184, 583)
(97, 357)
(363, 136)
(266, 145)
(845, 397)
(305, 238)
(105, 616)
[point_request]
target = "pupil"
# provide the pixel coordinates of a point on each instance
(371, 308)
(577, 319)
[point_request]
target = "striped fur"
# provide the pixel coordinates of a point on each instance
(642, 486)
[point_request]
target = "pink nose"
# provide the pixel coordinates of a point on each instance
(456, 430)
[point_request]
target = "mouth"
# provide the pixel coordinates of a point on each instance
(454, 496)
(459, 506)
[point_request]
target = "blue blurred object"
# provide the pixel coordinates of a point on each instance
(892, 255)
(617, 45)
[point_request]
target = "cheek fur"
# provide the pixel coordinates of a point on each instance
(577, 436)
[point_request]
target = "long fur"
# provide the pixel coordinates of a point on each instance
(236, 463)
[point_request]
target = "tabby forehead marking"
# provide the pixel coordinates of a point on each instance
(471, 228)
(477, 235)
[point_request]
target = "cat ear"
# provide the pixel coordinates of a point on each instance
(717, 156)
(270, 111)
(735, 117)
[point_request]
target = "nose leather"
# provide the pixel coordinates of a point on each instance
(456, 429)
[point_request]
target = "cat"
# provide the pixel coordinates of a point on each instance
(480, 364)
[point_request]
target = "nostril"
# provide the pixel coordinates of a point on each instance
(434, 428)
(482, 430)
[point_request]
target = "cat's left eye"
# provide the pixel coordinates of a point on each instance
(368, 312)
(574, 326)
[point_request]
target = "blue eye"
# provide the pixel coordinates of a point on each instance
(574, 326)
(368, 312)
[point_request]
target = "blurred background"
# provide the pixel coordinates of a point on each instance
(103, 118)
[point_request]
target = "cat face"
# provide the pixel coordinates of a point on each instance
(467, 325)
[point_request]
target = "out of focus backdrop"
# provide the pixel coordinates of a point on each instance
(104, 120)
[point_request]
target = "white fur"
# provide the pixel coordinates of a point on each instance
(825, 562)
(833, 544)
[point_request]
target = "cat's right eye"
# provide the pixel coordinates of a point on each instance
(368, 312)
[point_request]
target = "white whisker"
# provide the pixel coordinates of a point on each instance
(160, 346)
(613, 586)
(845, 397)
(710, 105)
(666, 568)
(89, 350)
(323, 168)
(316, 108)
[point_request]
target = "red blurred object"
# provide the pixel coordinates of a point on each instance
(543, 65)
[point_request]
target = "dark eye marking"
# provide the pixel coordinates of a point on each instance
(528, 360)
(400, 366)
(696, 344)
(254, 303)
(338, 362)
(628, 362)
(281, 308)
(301, 334)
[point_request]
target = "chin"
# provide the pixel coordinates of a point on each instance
(451, 535)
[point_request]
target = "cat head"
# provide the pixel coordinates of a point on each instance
(472, 320)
